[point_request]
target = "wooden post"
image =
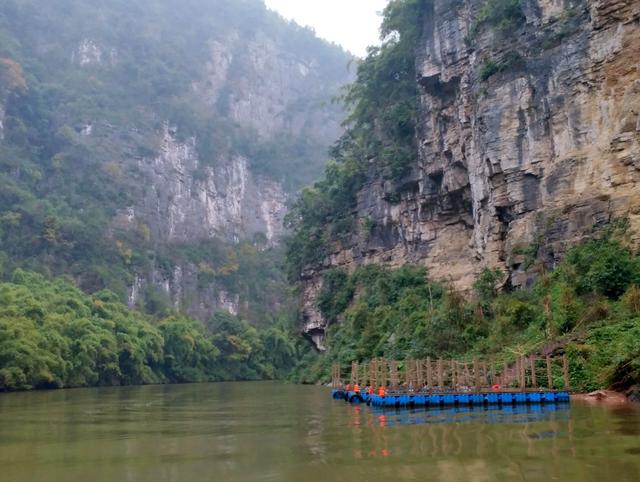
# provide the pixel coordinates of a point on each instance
(467, 376)
(429, 375)
(549, 374)
(440, 375)
(505, 376)
(523, 379)
(420, 374)
(485, 375)
(384, 372)
(410, 375)
(565, 371)
(413, 364)
(373, 373)
(393, 375)
(405, 372)
(365, 375)
(454, 381)
(534, 379)
(476, 373)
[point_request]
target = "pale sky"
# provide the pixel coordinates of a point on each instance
(351, 23)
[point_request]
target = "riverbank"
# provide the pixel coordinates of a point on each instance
(52, 335)
(608, 398)
(587, 308)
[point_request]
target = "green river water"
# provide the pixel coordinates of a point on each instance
(275, 432)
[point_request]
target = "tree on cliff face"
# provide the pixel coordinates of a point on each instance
(383, 109)
(11, 77)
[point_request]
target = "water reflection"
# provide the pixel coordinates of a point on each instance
(461, 431)
(517, 414)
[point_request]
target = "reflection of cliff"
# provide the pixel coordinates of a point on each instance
(528, 143)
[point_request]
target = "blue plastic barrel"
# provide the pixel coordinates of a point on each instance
(534, 397)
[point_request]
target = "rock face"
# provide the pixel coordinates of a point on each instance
(255, 85)
(528, 143)
(181, 202)
(181, 199)
(184, 201)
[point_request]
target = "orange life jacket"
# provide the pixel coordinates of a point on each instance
(356, 388)
(381, 392)
(370, 390)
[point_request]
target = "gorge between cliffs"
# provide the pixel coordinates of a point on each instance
(168, 213)
(217, 227)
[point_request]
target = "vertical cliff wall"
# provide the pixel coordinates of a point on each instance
(529, 141)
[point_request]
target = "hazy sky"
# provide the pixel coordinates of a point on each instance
(350, 23)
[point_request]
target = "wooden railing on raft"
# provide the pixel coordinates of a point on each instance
(532, 373)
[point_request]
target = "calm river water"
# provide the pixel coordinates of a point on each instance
(274, 432)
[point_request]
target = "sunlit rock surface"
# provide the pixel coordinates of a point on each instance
(513, 169)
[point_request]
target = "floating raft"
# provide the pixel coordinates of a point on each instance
(527, 380)
(408, 400)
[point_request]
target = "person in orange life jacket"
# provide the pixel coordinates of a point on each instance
(381, 392)
(370, 390)
(356, 388)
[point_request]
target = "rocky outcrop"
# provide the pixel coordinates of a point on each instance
(185, 201)
(12, 84)
(279, 96)
(89, 52)
(529, 141)
(182, 202)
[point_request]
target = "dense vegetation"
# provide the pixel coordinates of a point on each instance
(383, 110)
(589, 307)
(52, 335)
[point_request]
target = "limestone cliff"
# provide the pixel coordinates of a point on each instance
(529, 141)
(154, 141)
